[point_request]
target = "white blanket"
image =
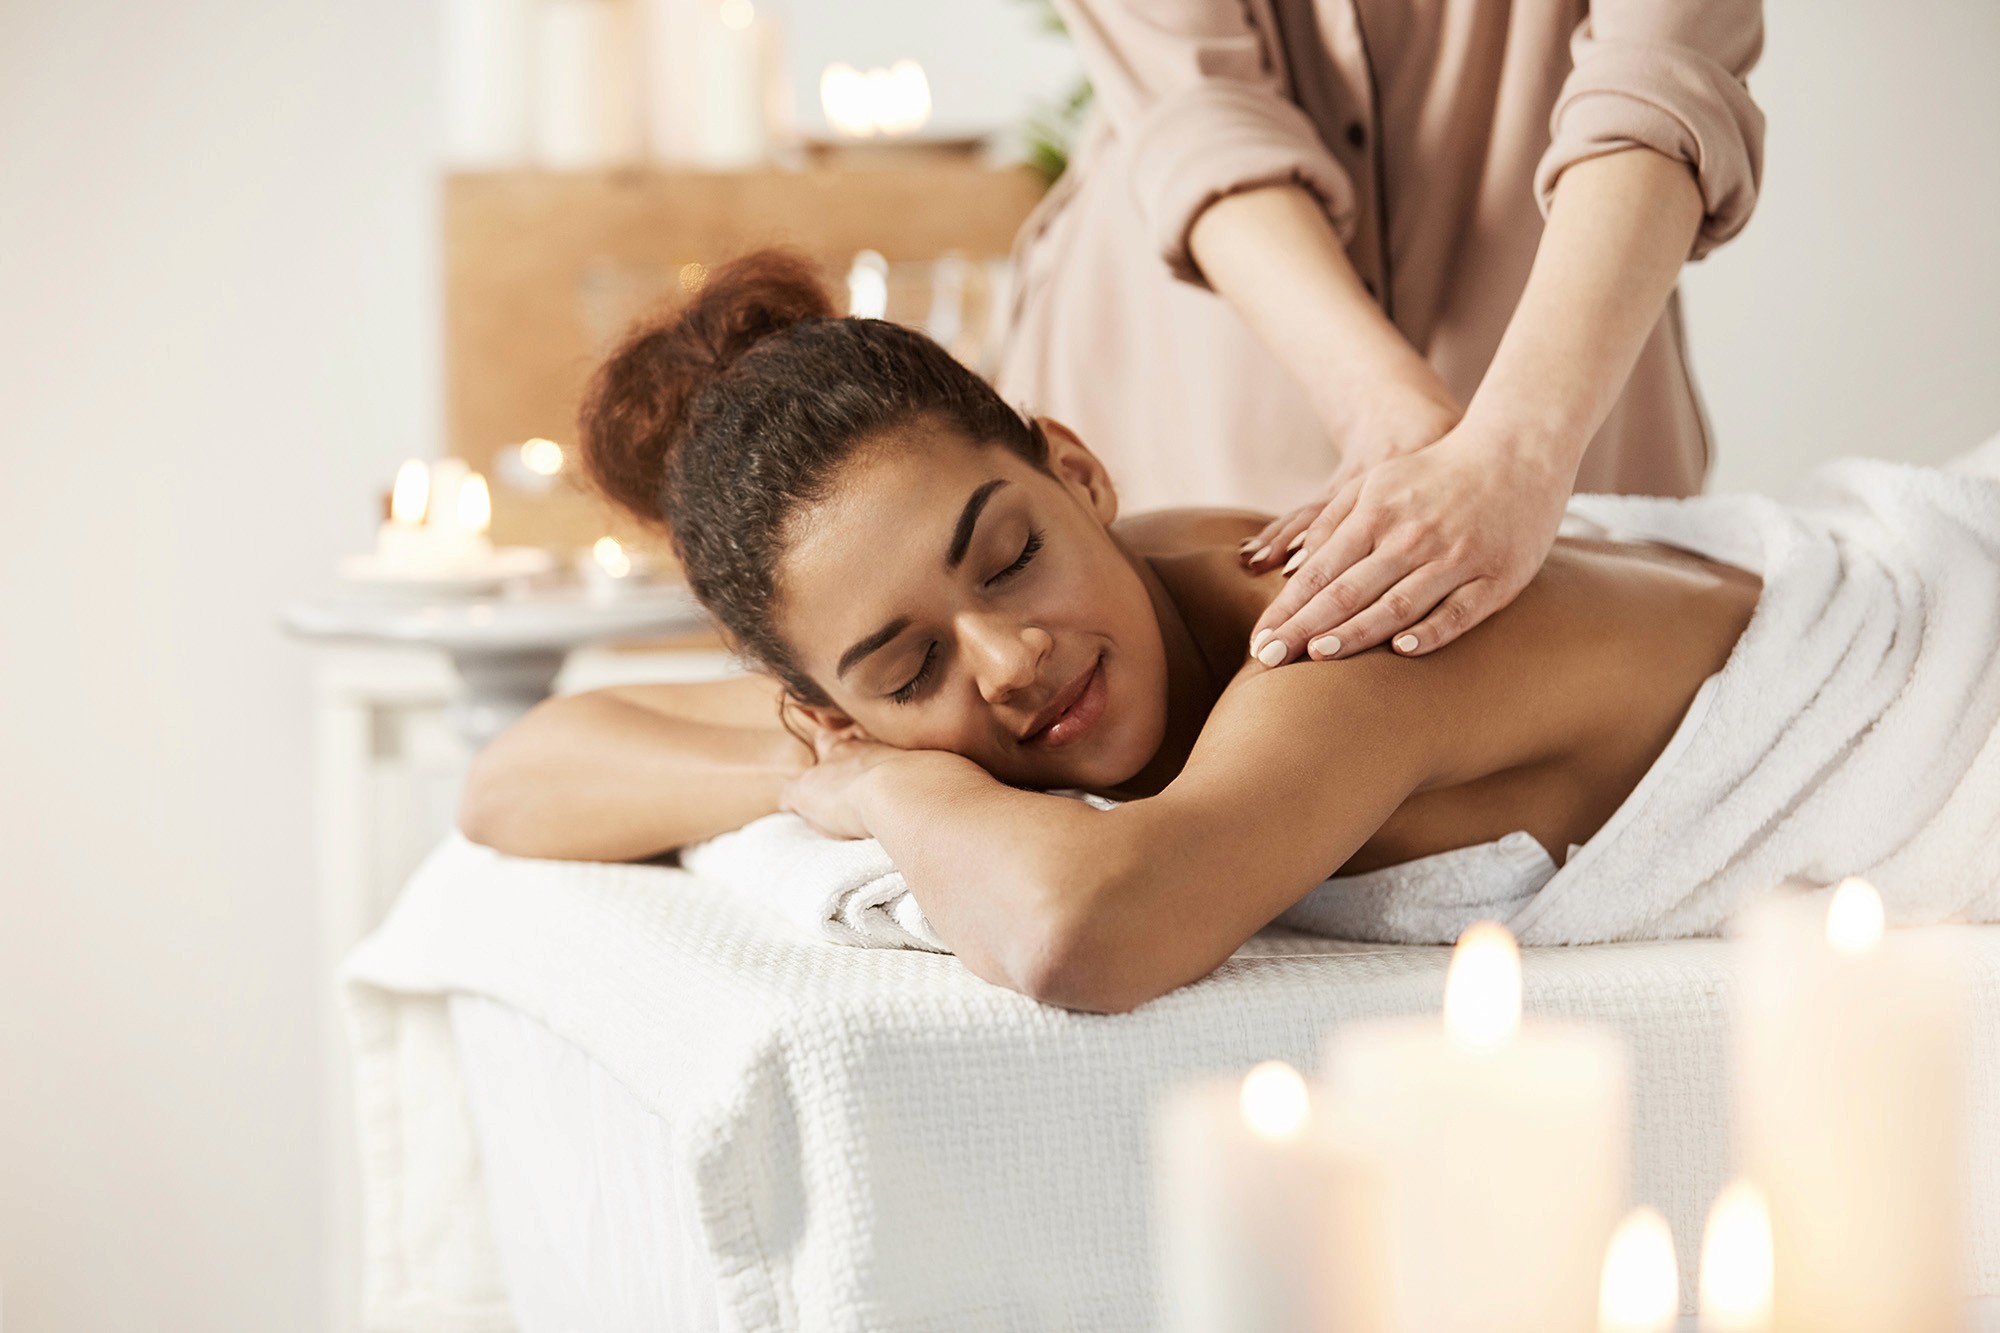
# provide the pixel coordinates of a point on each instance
(875, 1141)
(1853, 731)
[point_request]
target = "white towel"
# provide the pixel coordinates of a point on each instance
(1855, 729)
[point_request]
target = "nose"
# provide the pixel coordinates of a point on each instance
(1006, 657)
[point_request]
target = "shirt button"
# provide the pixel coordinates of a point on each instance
(1356, 134)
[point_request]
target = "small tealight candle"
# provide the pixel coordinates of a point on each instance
(1736, 1263)
(611, 570)
(1501, 1147)
(1851, 1078)
(1641, 1291)
(1263, 1222)
(401, 535)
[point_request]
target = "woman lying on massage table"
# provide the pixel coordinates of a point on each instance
(941, 596)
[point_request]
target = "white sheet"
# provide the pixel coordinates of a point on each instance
(877, 1141)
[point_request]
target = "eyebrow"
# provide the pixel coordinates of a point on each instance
(968, 518)
(961, 541)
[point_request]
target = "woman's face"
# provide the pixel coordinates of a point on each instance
(948, 596)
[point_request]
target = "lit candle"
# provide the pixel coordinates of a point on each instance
(1736, 1263)
(1641, 1291)
(1852, 1089)
(401, 536)
(737, 46)
(1263, 1222)
(1502, 1148)
(612, 570)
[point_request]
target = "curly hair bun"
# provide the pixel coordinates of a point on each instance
(639, 403)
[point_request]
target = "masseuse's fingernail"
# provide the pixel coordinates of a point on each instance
(1297, 542)
(1262, 552)
(1259, 639)
(1298, 558)
(1406, 643)
(1273, 653)
(1324, 646)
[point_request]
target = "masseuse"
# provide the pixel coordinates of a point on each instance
(1400, 270)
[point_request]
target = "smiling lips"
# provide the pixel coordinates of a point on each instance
(1074, 710)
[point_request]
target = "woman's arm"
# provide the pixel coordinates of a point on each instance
(1427, 545)
(1104, 910)
(1274, 256)
(631, 772)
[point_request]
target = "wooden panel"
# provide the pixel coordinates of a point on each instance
(543, 272)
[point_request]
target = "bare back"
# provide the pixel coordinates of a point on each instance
(1544, 718)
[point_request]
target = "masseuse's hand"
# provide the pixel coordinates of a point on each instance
(827, 795)
(1398, 420)
(1418, 549)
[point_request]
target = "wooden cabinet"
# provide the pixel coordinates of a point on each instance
(543, 272)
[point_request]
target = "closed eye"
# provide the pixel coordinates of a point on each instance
(908, 690)
(1028, 549)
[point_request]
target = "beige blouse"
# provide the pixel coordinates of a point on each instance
(1433, 132)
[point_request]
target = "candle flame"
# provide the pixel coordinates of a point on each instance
(1854, 917)
(1641, 1292)
(611, 557)
(1736, 1262)
(1275, 1101)
(475, 504)
(542, 457)
(412, 494)
(891, 101)
(1482, 988)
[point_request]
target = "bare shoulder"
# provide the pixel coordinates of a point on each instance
(1167, 533)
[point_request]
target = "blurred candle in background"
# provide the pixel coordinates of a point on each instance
(1501, 1147)
(671, 30)
(1736, 1263)
(485, 50)
(1851, 1092)
(1263, 1224)
(1641, 1290)
(738, 47)
(586, 71)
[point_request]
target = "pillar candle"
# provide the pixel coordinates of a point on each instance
(1502, 1147)
(485, 51)
(1262, 1219)
(587, 112)
(1851, 1098)
(737, 48)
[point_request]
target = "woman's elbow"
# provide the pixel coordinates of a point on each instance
(1084, 956)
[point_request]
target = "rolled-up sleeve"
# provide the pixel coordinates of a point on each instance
(1192, 89)
(1668, 75)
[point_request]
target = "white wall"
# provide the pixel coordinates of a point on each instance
(216, 291)
(217, 327)
(1860, 311)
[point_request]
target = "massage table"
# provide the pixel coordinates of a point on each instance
(619, 1098)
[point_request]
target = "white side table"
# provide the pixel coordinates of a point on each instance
(507, 651)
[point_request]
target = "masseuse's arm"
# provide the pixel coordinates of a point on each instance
(1426, 545)
(627, 773)
(1274, 255)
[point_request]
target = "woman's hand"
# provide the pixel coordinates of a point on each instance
(1419, 548)
(1398, 423)
(828, 795)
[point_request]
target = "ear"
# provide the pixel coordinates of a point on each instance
(1081, 471)
(828, 721)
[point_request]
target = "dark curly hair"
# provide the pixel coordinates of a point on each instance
(721, 420)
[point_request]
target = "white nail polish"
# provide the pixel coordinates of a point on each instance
(1262, 552)
(1273, 653)
(1325, 646)
(1297, 542)
(1407, 644)
(1259, 639)
(1298, 558)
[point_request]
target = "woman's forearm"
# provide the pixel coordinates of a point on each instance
(1619, 229)
(1274, 256)
(593, 777)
